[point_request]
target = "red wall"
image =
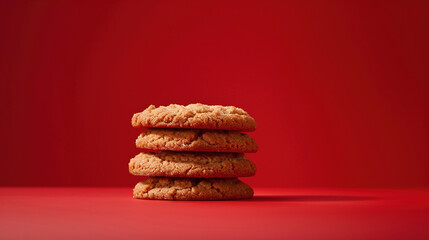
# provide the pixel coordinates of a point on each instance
(339, 90)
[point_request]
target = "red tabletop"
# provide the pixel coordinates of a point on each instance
(111, 213)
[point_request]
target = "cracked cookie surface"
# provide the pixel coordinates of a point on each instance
(196, 140)
(192, 164)
(192, 189)
(196, 116)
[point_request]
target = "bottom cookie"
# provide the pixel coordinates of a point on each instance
(160, 188)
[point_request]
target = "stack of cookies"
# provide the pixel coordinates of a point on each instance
(193, 152)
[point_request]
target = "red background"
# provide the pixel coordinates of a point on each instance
(339, 90)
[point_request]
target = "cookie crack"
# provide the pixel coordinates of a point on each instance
(188, 170)
(209, 143)
(188, 119)
(199, 137)
(193, 139)
(174, 194)
(216, 189)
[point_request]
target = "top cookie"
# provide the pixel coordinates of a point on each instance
(197, 116)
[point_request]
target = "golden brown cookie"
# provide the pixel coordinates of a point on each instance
(196, 140)
(196, 116)
(192, 164)
(192, 189)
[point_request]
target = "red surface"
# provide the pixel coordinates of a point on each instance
(339, 89)
(111, 213)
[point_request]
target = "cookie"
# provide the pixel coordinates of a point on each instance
(192, 164)
(196, 140)
(196, 116)
(192, 189)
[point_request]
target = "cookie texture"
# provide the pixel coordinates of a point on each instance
(196, 140)
(196, 116)
(192, 164)
(192, 189)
